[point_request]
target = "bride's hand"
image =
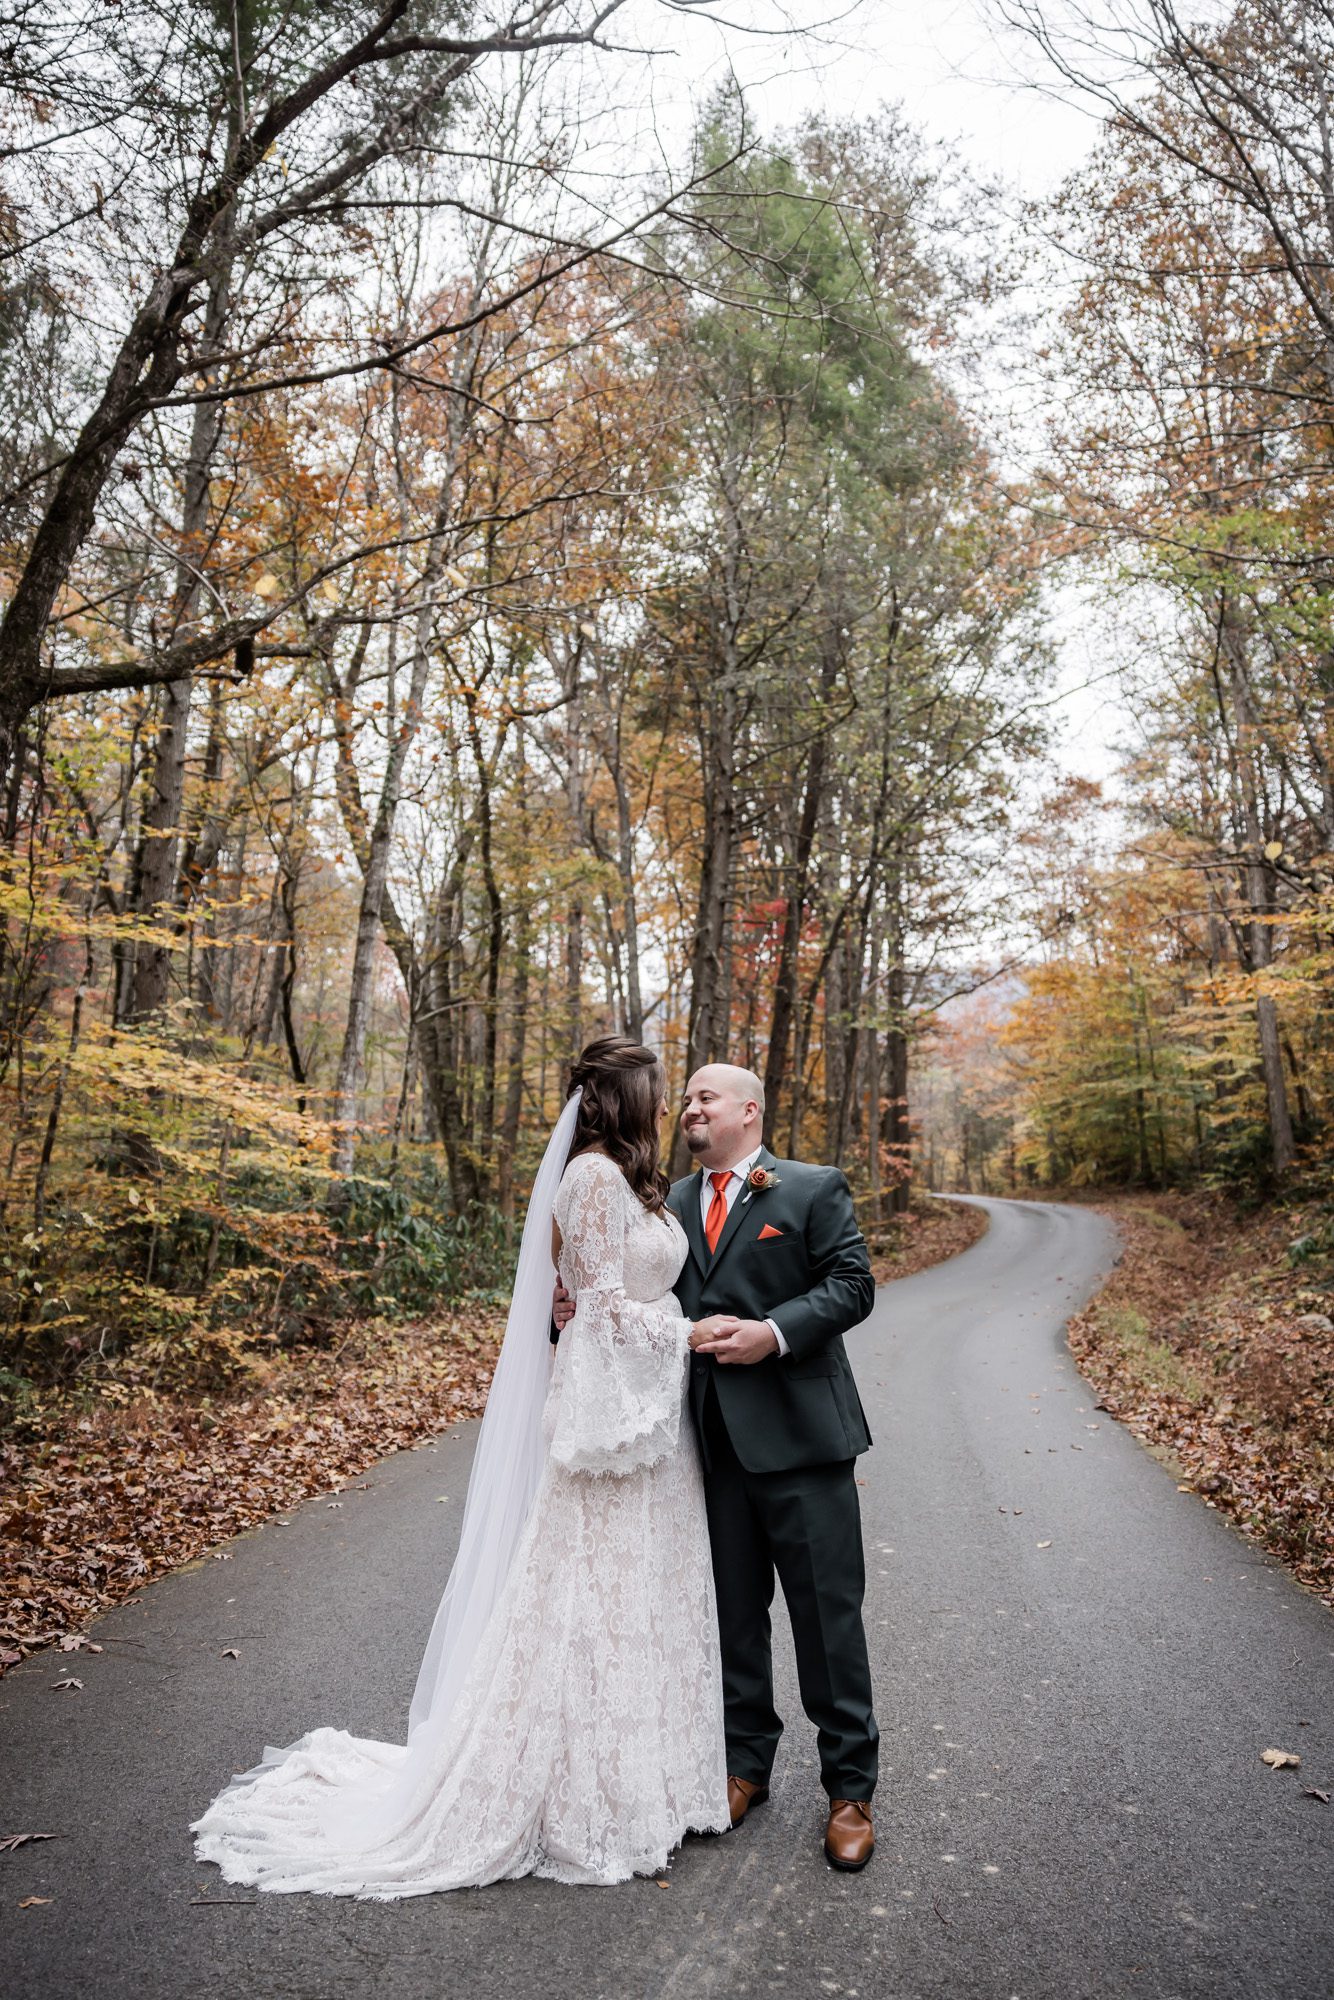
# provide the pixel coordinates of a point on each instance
(718, 1326)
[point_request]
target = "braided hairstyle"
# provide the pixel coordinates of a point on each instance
(623, 1083)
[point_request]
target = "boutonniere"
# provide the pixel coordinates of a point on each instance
(760, 1179)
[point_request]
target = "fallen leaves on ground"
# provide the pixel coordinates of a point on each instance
(1207, 1340)
(102, 1500)
(9, 1841)
(1281, 1760)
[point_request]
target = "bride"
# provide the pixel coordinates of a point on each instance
(567, 1719)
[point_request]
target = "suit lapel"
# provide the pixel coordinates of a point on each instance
(687, 1214)
(742, 1208)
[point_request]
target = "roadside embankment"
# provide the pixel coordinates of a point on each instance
(1213, 1341)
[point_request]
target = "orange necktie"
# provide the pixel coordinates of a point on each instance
(717, 1215)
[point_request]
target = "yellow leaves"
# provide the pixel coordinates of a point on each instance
(329, 590)
(1273, 849)
(456, 576)
(266, 586)
(138, 1066)
(1281, 1760)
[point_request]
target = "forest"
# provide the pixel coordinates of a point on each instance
(452, 609)
(1173, 1028)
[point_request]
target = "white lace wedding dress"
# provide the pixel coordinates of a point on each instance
(587, 1737)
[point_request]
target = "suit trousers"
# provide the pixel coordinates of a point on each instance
(805, 1525)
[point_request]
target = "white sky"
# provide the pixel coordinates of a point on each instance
(964, 79)
(958, 74)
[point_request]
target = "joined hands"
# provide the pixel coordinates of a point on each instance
(722, 1335)
(733, 1340)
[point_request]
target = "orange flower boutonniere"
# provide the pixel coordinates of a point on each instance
(760, 1179)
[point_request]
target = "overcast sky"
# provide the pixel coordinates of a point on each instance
(965, 80)
(960, 76)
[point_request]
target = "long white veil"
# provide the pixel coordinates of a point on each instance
(370, 1789)
(510, 1452)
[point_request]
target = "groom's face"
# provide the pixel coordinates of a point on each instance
(720, 1120)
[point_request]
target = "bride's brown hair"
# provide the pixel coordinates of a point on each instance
(622, 1084)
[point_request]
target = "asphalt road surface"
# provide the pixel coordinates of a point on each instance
(1077, 1667)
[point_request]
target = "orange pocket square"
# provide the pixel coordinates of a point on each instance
(768, 1230)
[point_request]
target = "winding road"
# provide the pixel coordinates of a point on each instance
(1077, 1667)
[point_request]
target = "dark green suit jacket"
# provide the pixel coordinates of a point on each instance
(811, 1275)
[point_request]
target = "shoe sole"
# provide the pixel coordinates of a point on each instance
(847, 1867)
(756, 1799)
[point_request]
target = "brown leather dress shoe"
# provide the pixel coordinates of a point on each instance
(742, 1795)
(849, 1840)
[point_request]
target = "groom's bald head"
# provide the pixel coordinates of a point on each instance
(723, 1114)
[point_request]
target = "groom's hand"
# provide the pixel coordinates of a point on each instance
(562, 1307)
(750, 1340)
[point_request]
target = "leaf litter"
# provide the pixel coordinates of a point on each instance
(96, 1501)
(1214, 1339)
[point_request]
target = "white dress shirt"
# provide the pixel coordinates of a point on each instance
(730, 1195)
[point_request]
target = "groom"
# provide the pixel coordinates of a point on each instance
(775, 1247)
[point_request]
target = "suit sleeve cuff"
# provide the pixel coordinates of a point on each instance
(783, 1347)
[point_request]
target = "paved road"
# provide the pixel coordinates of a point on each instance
(1077, 1667)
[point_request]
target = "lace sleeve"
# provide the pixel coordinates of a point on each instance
(616, 1401)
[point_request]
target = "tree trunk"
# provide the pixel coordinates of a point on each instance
(706, 1034)
(352, 1054)
(440, 1044)
(895, 1132)
(1261, 938)
(517, 1011)
(634, 995)
(518, 1019)
(160, 833)
(835, 1053)
(376, 868)
(794, 913)
(495, 937)
(155, 875)
(204, 841)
